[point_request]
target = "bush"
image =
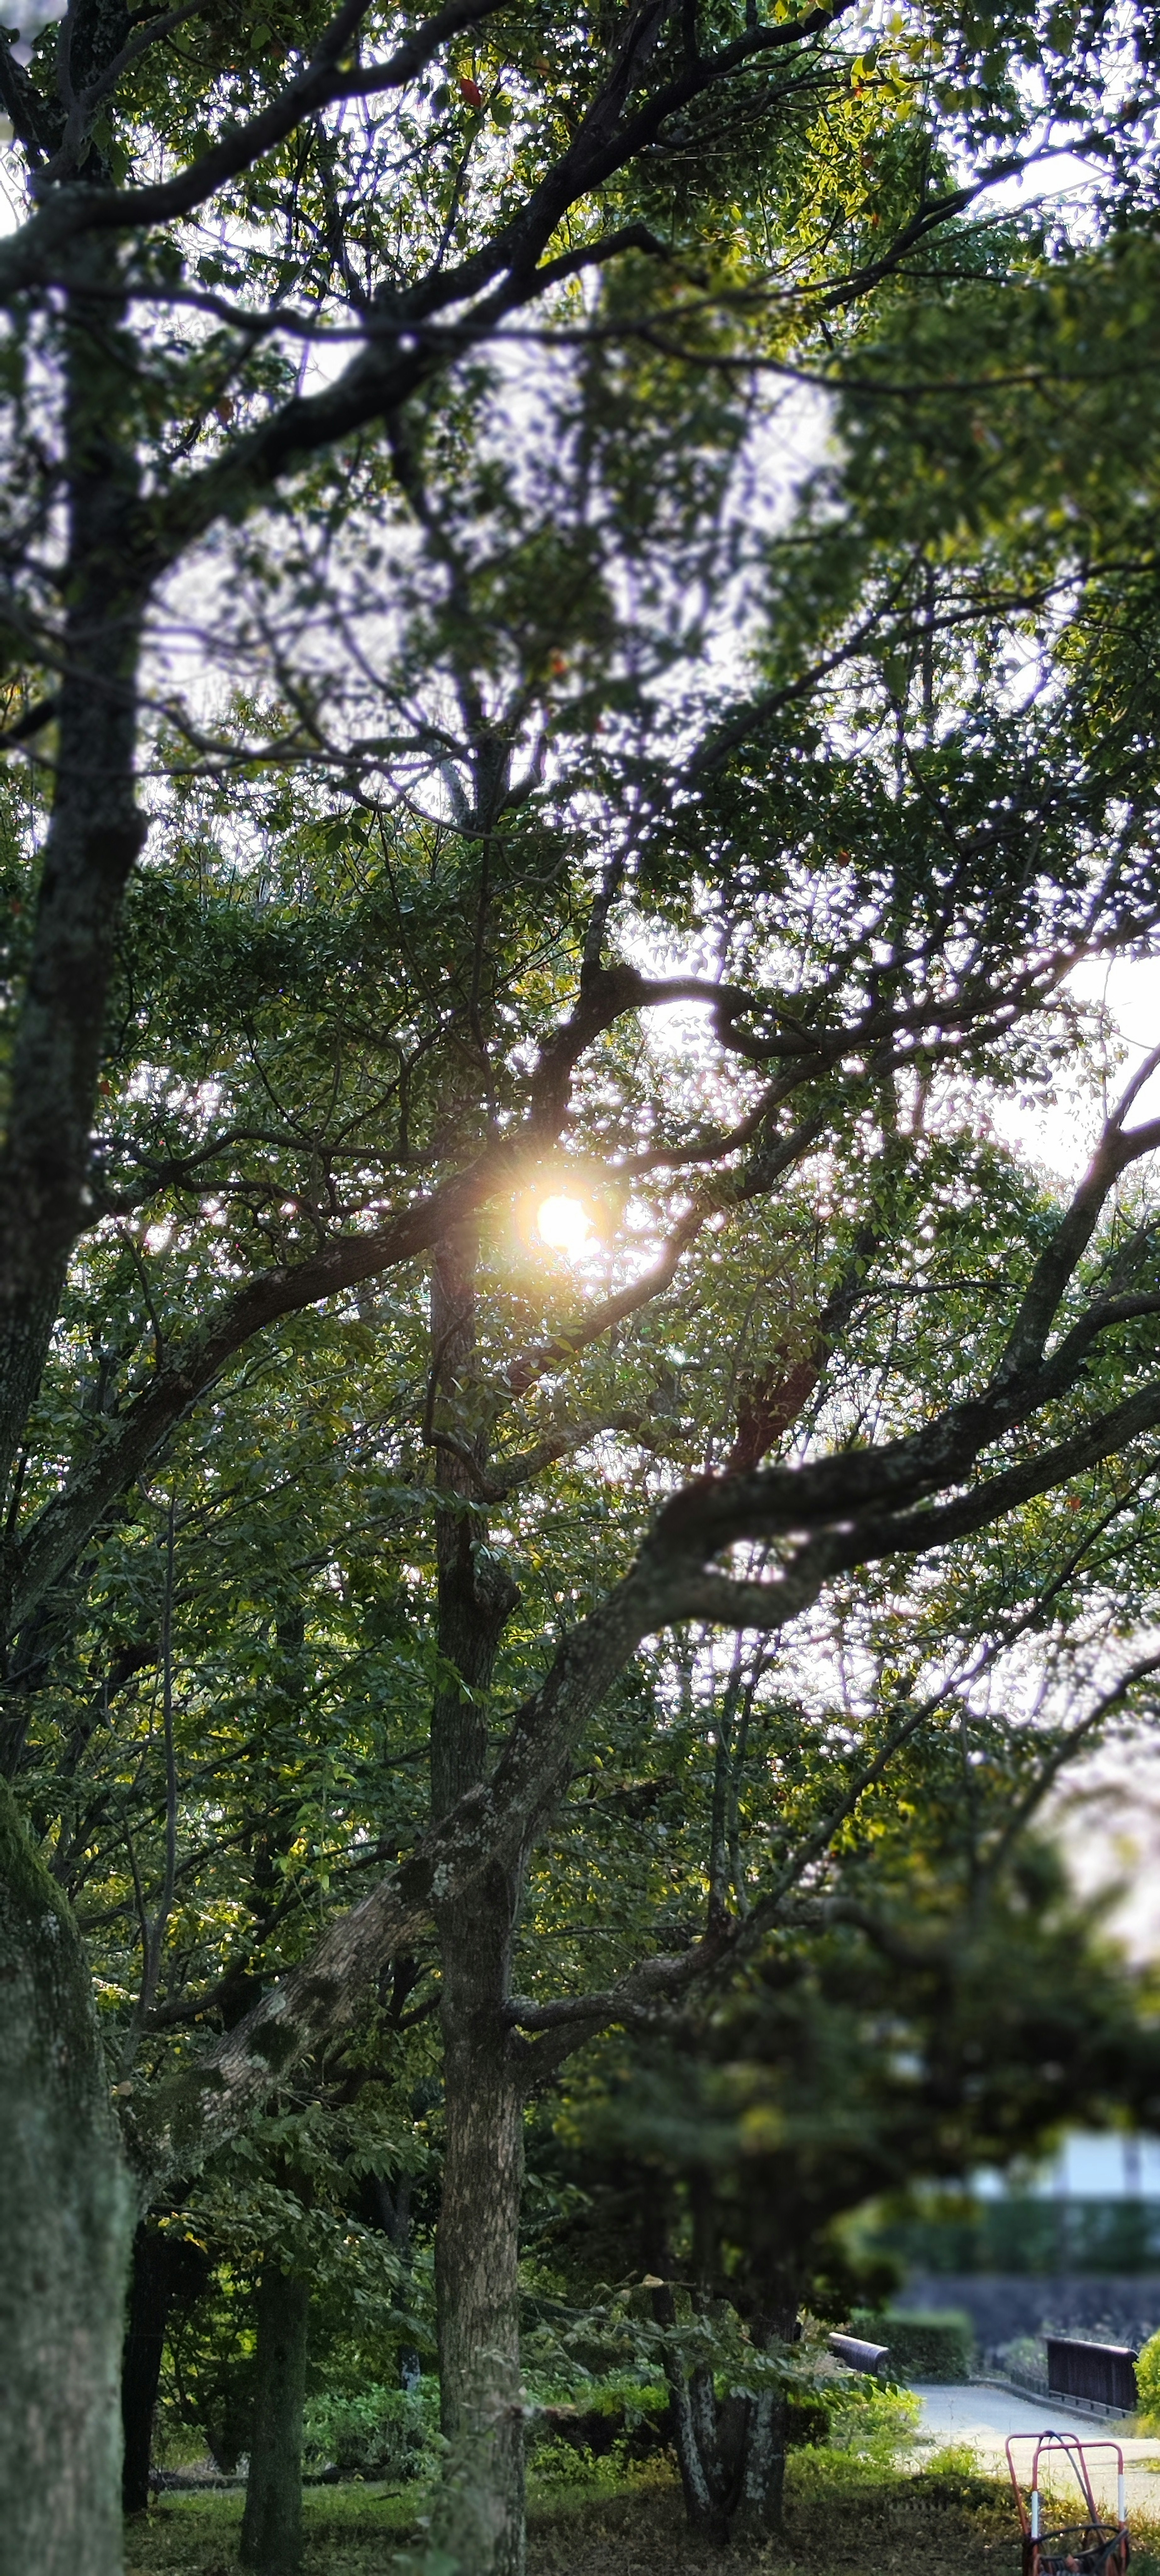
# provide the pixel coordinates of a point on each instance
(937, 2345)
(561, 2463)
(380, 2432)
(623, 2412)
(867, 2421)
(807, 2422)
(629, 2417)
(1148, 2384)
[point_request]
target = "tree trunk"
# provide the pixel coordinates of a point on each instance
(272, 2523)
(760, 2510)
(164, 2268)
(94, 836)
(479, 2514)
(393, 2212)
(761, 2500)
(731, 2454)
(68, 2206)
(150, 2292)
(694, 2414)
(704, 2511)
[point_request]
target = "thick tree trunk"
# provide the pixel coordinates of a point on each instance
(700, 2476)
(479, 2515)
(695, 2434)
(480, 2512)
(93, 839)
(68, 2207)
(760, 2509)
(272, 2523)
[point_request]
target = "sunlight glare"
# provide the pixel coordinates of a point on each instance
(564, 1225)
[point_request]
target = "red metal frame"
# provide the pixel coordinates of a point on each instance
(1086, 2547)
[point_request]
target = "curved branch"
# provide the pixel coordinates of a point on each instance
(1117, 1149)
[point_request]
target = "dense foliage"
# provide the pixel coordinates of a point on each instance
(578, 616)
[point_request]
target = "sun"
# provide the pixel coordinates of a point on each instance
(564, 1225)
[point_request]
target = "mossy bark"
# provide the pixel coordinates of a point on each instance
(272, 2523)
(68, 2213)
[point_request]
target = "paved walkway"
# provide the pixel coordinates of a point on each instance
(985, 2416)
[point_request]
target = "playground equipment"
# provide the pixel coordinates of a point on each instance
(1092, 2546)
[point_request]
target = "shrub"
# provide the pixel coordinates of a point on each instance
(378, 2432)
(1148, 2384)
(936, 2345)
(807, 2422)
(622, 2413)
(870, 2422)
(559, 2463)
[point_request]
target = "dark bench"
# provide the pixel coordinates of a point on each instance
(871, 2357)
(1102, 2372)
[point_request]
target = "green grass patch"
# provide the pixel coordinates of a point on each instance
(844, 2512)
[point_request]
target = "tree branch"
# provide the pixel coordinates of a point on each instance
(1117, 1149)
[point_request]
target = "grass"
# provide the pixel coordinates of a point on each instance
(843, 2516)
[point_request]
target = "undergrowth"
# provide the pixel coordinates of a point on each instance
(845, 2511)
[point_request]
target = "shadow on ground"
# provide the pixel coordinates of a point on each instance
(943, 2521)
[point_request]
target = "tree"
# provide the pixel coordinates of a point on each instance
(922, 2020)
(405, 584)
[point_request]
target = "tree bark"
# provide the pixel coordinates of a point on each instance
(479, 2515)
(694, 2417)
(94, 836)
(704, 2511)
(761, 2500)
(150, 2293)
(731, 2454)
(163, 2268)
(69, 2207)
(271, 2538)
(761, 2505)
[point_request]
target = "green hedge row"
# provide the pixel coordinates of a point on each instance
(938, 2344)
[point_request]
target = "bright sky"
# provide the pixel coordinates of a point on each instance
(1061, 1136)
(1110, 1811)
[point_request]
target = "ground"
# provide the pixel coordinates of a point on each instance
(944, 2511)
(982, 2417)
(906, 2528)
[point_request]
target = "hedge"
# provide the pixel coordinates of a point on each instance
(934, 2344)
